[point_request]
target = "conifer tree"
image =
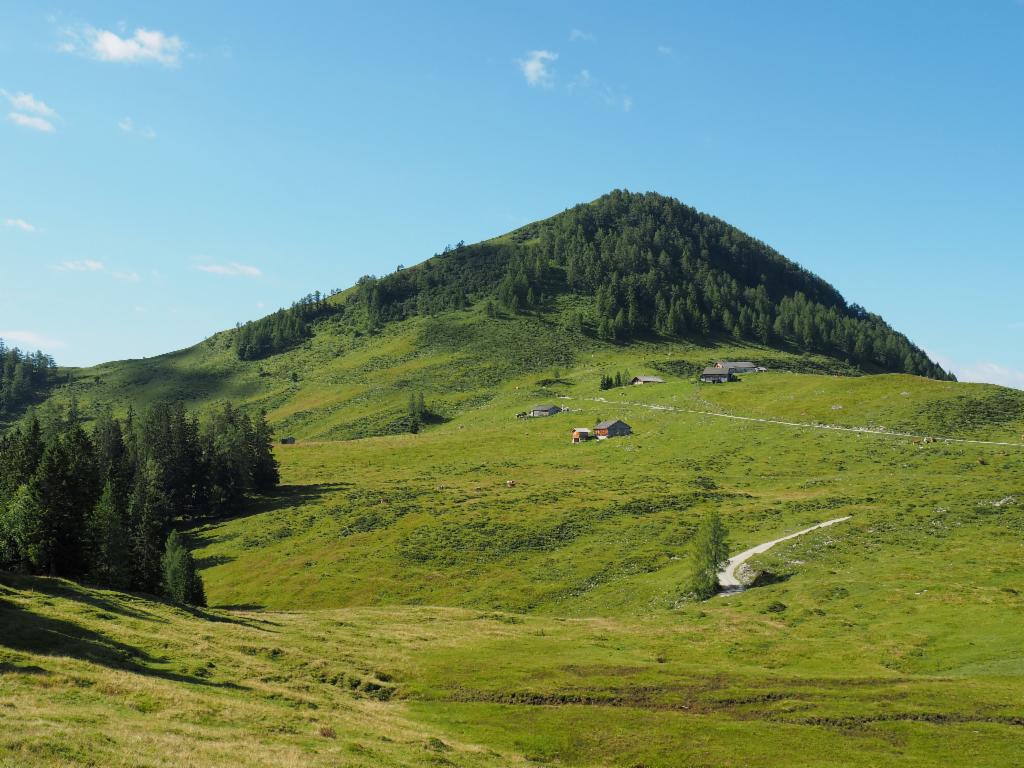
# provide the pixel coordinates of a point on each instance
(180, 582)
(709, 554)
(149, 515)
(265, 472)
(108, 544)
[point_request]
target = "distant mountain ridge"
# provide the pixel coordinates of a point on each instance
(625, 266)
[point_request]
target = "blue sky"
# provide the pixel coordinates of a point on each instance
(171, 170)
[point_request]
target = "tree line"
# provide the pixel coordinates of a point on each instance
(281, 330)
(620, 379)
(102, 504)
(23, 376)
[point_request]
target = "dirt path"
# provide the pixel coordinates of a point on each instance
(804, 425)
(727, 576)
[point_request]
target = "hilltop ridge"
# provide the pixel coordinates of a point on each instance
(623, 267)
(628, 271)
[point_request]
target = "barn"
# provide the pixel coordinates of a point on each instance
(637, 380)
(612, 428)
(734, 367)
(545, 410)
(716, 375)
(581, 435)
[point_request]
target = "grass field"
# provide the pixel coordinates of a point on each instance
(486, 593)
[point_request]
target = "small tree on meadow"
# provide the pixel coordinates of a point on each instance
(709, 554)
(181, 582)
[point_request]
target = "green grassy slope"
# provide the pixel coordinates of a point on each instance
(539, 622)
(429, 517)
(486, 593)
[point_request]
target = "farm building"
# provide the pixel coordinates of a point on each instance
(287, 440)
(612, 428)
(581, 435)
(545, 410)
(647, 380)
(733, 367)
(715, 375)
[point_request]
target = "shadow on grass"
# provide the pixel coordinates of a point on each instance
(24, 630)
(259, 624)
(285, 497)
(67, 590)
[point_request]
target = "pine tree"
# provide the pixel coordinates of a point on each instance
(709, 554)
(265, 472)
(56, 541)
(108, 545)
(180, 581)
(20, 523)
(149, 515)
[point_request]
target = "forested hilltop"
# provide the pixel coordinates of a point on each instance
(622, 267)
(627, 266)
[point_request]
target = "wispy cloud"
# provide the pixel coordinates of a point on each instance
(83, 265)
(984, 372)
(127, 125)
(576, 35)
(104, 45)
(26, 102)
(128, 277)
(30, 121)
(536, 70)
(586, 83)
(31, 339)
(664, 50)
(991, 373)
(21, 224)
(234, 269)
(30, 112)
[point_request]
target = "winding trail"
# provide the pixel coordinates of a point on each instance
(727, 576)
(801, 424)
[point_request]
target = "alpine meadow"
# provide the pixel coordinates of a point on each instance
(625, 485)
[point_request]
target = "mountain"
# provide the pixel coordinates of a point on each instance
(640, 266)
(437, 581)
(626, 271)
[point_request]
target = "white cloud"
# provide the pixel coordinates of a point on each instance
(26, 102)
(28, 121)
(127, 125)
(31, 339)
(586, 83)
(535, 68)
(579, 34)
(990, 373)
(83, 265)
(665, 50)
(143, 45)
(21, 224)
(128, 277)
(982, 372)
(233, 269)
